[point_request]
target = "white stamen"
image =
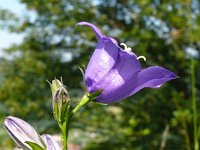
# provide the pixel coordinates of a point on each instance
(144, 58)
(128, 49)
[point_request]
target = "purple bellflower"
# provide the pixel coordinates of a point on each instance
(118, 72)
(22, 132)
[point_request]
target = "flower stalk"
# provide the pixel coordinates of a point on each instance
(64, 126)
(85, 99)
(65, 131)
(194, 107)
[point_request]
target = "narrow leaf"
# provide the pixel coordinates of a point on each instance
(34, 146)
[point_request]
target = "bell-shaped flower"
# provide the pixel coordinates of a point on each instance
(118, 72)
(22, 132)
(51, 143)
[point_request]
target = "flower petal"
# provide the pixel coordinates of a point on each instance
(51, 143)
(118, 77)
(152, 77)
(103, 59)
(20, 131)
(93, 27)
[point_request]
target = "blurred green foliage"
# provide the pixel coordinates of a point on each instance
(161, 30)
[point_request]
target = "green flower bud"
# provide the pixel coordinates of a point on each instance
(55, 85)
(60, 101)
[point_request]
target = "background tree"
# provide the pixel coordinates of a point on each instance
(165, 32)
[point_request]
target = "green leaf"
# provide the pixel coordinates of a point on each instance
(65, 111)
(95, 94)
(34, 146)
(56, 111)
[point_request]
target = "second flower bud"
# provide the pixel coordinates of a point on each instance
(60, 101)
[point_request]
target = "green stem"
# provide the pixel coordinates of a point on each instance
(65, 131)
(194, 107)
(64, 135)
(66, 124)
(187, 138)
(85, 99)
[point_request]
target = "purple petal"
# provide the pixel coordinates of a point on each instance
(103, 59)
(152, 77)
(20, 131)
(118, 77)
(51, 143)
(93, 27)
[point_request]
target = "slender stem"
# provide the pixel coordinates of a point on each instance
(85, 99)
(65, 131)
(66, 124)
(194, 107)
(64, 135)
(186, 135)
